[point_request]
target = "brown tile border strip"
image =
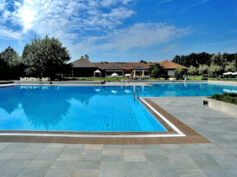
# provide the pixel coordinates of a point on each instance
(191, 135)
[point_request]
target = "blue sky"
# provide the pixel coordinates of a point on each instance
(123, 30)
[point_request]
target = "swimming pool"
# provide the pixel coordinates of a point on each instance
(90, 108)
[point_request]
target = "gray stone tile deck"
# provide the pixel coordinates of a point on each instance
(183, 160)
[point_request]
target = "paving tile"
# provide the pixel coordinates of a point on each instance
(32, 150)
(7, 156)
(112, 158)
(112, 146)
(111, 173)
(40, 163)
(228, 164)
(112, 152)
(51, 150)
(24, 155)
(88, 164)
(74, 146)
(64, 164)
(46, 156)
(138, 173)
(231, 172)
(33, 172)
(72, 151)
(168, 172)
(208, 163)
(90, 157)
(137, 166)
(91, 151)
(155, 158)
(214, 172)
(94, 146)
(115, 165)
(55, 146)
(63, 156)
(134, 158)
(85, 173)
(9, 172)
(133, 152)
(59, 172)
(190, 173)
(183, 164)
(16, 163)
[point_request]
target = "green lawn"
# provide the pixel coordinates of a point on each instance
(195, 78)
(98, 78)
(109, 78)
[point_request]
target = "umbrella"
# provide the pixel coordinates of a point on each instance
(114, 75)
(97, 71)
(228, 73)
(234, 74)
(127, 75)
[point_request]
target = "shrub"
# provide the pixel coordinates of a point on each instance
(179, 73)
(226, 97)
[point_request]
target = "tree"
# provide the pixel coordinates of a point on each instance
(203, 69)
(192, 70)
(194, 59)
(11, 64)
(218, 59)
(179, 73)
(215, 70)
(156, 71)
(230, 67)
(45, 57)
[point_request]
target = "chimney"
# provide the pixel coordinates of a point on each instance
(82, 57)
(87, 57)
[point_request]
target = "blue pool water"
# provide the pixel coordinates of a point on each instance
(90, 108)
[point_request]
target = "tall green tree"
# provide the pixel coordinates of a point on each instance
(218, 59)
(11, 66)
(45, 57)
(203, 69)
(230, 66)
(215, 70)
(193, 59)
(157, 71)
(179, 73)
(192, 70)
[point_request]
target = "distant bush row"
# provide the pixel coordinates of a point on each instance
(212, 65)
(226, 97)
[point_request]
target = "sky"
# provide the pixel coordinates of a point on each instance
(122, 30)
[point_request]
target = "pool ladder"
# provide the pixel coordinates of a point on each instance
(135, 95)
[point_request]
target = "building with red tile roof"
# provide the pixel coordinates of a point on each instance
(84, 68)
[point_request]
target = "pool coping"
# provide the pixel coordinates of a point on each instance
(178, 133)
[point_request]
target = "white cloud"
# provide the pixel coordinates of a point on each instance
(9, 34)
(95, 23)
(3, 4)
(66, 19)
(114, 2)
(139, 35)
